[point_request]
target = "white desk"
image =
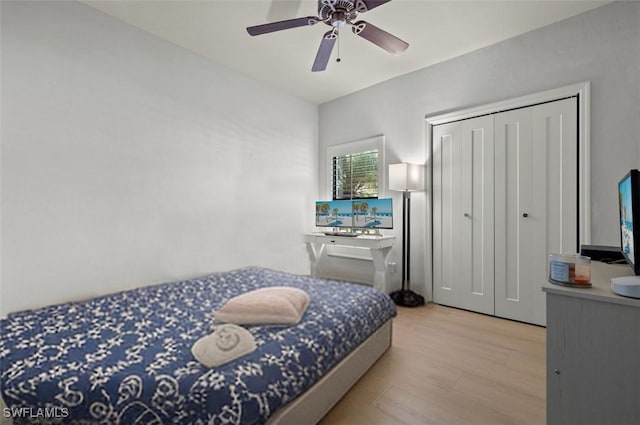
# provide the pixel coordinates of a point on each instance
(380, 247)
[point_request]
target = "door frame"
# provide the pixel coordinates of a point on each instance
(582, 91)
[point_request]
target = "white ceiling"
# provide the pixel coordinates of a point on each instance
(435, 30)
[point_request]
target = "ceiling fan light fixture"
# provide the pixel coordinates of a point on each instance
(338, 19)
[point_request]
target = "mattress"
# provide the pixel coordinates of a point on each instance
(126, 357)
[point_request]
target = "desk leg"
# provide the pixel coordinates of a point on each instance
(315, 250)
(380, 261)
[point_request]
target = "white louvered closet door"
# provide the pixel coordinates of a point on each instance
(515, 221)
(536, 202)
(504, 197)
(447, 211)
(464, 217)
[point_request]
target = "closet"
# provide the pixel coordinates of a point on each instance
(505, 196)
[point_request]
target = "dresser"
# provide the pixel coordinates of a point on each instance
(593, 352)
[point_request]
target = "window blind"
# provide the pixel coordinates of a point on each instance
(355, 176)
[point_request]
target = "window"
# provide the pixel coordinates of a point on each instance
(355, 169)
(355, 176)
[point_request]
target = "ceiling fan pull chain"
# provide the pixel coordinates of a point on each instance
(338, 34)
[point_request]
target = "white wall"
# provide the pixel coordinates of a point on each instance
(601, 46)
(128, 161)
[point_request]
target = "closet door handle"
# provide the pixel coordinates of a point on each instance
(467, 215)
(525, 215)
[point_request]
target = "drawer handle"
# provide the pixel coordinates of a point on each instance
(556, 371)
(467, 215)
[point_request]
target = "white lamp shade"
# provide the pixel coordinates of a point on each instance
(406, 177)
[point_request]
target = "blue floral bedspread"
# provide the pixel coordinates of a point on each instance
(126, 358)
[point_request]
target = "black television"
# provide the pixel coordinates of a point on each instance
(373, 213)
(334, 214)
(629, 207)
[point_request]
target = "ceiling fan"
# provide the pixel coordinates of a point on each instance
(337, 14)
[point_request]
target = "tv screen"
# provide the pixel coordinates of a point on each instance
(373, 213)
(629, 203)
(334, 214)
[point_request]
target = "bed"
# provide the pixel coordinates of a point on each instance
(126, 357)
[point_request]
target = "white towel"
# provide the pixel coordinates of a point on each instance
(226, 343)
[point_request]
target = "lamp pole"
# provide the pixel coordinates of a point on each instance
(406, 248)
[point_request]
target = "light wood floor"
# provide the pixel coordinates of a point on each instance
(449, 366)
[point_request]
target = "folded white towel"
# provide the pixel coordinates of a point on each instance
(275, 305)
(226, 343)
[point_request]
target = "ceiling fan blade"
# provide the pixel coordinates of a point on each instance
(379, 37)
(324, 51)
(282, 25)
(364, 5)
